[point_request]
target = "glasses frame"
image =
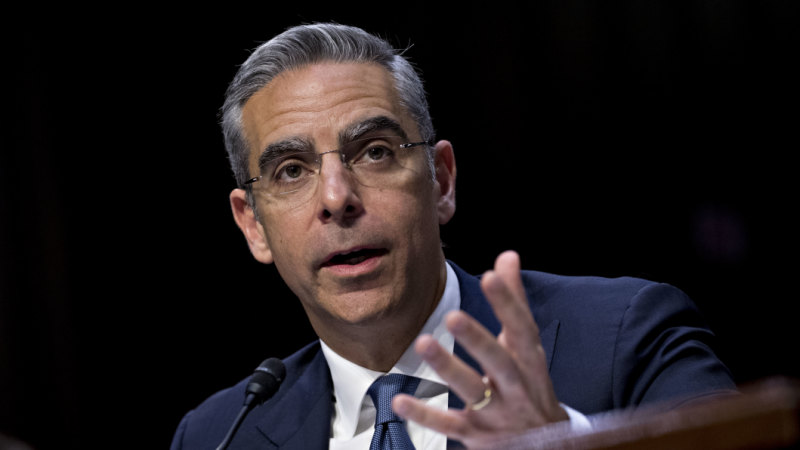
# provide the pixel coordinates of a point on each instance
(247, 184)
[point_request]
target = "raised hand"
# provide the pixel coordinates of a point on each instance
(516, 393)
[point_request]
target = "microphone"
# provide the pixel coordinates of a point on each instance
(264, 383)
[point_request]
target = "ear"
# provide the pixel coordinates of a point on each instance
(445, 170)
(253, 230)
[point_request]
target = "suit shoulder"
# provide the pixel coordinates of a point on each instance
(210, 420)
(231, 398)
(596, 298)
(583, 288)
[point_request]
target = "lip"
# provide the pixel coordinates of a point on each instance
(334, 263)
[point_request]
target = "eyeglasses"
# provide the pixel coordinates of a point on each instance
(291, 178)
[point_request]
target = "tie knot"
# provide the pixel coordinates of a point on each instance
(384, 389)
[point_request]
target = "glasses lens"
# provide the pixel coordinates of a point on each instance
(292, 172)
(379, 161)
(383, 161)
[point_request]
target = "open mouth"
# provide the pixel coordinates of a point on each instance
(354, 257)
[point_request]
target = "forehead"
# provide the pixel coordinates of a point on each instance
(315, 102)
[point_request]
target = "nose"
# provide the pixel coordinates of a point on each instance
(339, 200)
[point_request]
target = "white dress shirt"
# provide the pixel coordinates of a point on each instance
(353, 419)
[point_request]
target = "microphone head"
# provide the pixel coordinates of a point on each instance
(266, 379)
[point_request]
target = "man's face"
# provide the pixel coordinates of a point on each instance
(351, 253)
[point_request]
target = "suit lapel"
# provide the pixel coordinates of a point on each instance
(475, 304)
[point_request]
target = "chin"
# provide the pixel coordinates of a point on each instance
(363, 308)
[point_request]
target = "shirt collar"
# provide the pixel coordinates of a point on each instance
(351, 381)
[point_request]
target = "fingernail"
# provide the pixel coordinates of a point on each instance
(425, 349)
(400, 407)
(492, 283)
(455, 322)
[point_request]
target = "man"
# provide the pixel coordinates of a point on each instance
(343, 188)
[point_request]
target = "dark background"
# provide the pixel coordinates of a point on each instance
(647, 138)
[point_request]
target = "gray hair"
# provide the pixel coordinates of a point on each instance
(308, 44)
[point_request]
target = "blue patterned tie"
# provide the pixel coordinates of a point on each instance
(390, 432)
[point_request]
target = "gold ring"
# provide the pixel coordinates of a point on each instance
(487, 396)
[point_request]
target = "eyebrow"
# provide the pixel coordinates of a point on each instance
(278, 149)
(377, 123)
(355, 131)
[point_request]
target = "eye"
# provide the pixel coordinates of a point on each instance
(377, 152)
(291, 169)
(374, 151)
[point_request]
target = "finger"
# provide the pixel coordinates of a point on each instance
(522, 380)
(487, 351)
(448, 422)
(507, 266)
(505, 291)
(460, 377)
(512, 311)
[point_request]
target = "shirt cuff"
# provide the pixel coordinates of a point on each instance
(577, 421)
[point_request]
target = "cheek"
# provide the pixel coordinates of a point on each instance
(288, 247)
(416, 209)
(285, 238)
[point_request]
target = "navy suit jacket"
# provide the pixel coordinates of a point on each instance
(610, 344)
